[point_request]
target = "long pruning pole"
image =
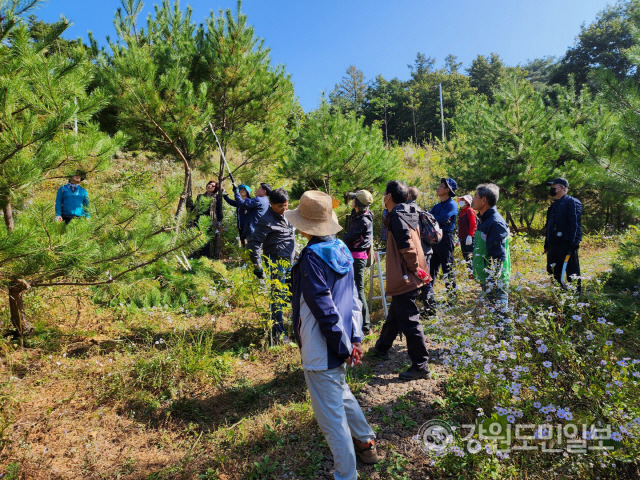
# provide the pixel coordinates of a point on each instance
(224, 159)
(233, 182)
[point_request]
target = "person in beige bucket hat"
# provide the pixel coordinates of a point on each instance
(327, 322)
(315, 215)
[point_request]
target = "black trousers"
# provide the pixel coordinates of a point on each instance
(467, 254)
(555, 260)
(427, 295)
(443, 258)
(359, 267)
(404, 317)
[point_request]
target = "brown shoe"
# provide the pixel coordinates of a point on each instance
(366, 451)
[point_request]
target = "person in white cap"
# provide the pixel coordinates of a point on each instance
(327, 324)
(467, 224)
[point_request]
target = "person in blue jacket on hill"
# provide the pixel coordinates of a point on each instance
(242, 212)
(327, 319)
(72, 201)
(446, 213)
(255, 208)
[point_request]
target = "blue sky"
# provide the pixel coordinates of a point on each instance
(317, 40)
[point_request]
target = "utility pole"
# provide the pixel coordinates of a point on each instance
(441, 111)
(75, 119)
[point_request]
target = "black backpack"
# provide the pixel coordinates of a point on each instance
(430, 231)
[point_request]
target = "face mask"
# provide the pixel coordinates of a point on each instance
(462, 204)
(552, 191)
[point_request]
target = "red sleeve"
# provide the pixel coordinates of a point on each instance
(472, 222)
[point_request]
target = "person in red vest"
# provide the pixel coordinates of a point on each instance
(467, 224)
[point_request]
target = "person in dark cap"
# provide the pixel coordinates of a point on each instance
(72, 201)
(563, 232)
(446, 213)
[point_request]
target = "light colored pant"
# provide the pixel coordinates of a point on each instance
(339, 416)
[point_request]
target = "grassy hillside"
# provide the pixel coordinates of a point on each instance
(159, 393)
(168, 375)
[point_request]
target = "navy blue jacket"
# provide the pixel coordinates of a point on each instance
(327, 315)
(255, 209)
(273, 237)
(243, 218)
(494, 231)
(446, 214)
(360, 235)
(564, 222)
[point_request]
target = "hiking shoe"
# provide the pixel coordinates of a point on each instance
(415, 374)
(379, 353)
(366, 452)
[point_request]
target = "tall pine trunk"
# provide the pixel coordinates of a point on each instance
(16, 307)
(8, 216)
(511, 221)
(186, 190)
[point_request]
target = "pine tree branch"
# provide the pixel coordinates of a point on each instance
(121, 274)
(161, 130)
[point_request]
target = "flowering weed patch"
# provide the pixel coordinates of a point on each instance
(561, 397)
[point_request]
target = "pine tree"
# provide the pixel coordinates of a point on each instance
(172, 80)
(46, 132)
(348, 95)
(43, 95)
(516, 150)
(380, 104)
(336, 152)
(149, 76)
(485, 74)
(252, 101)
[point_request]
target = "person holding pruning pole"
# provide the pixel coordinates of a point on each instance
(563, 233)
(327, 320)
(242, 213)
(254, 208)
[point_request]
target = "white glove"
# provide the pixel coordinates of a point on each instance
(58, 218)
(469, 240)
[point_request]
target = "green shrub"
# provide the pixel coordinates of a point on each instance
(167, 368)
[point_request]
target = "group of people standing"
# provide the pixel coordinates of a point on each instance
(329, 308)
(328, 304)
